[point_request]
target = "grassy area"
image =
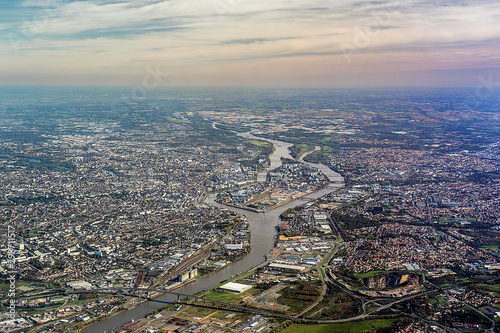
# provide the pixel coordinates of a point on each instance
(368, 274)
(296, 306)
(435, 300)
(320, 154)
(194, 311)
(299, 149)
(489, 247)
(364, 326)
(322, 272)
(227, 297)
(441, 299)
(298, 297)
(495, 287)
(191, 312)
(259, 143)
(4, 286)
(333, 250)
(303, 147)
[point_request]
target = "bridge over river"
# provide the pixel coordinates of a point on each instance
(199, 301)
(262, 231)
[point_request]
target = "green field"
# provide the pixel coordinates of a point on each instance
(226, 297)
(4, 286)
(489, 247)
(295, 305)
(368, 274)
(333, 250)
(258, 143)
(363, 326)
(495, 287)
(322, 272)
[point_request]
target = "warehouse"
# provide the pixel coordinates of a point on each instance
(287, 268)
(235, 287)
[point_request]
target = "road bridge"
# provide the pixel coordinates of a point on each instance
(206, 302)
(181, 296)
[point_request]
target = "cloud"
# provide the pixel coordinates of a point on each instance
(248, 37)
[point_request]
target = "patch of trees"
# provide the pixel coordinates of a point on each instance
(395, 327)
(346, 221)
(232, 128)
(297, 149)
(338, 304)
(84, 297)
(302, 291)
(21, 136)
(465, 316)
(483, 177)
(265, 285)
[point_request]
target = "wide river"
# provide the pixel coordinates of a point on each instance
(263, 232)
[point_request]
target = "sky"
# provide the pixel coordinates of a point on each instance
(250, 42)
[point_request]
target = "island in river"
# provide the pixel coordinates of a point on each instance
(262, 230)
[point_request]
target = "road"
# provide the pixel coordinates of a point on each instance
(322, 275)
(232, 307)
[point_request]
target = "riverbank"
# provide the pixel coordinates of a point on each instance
(284, 202)
(262, 240)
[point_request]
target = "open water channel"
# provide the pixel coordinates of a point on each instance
(263, 232)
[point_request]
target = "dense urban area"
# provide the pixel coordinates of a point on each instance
(105, 205)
